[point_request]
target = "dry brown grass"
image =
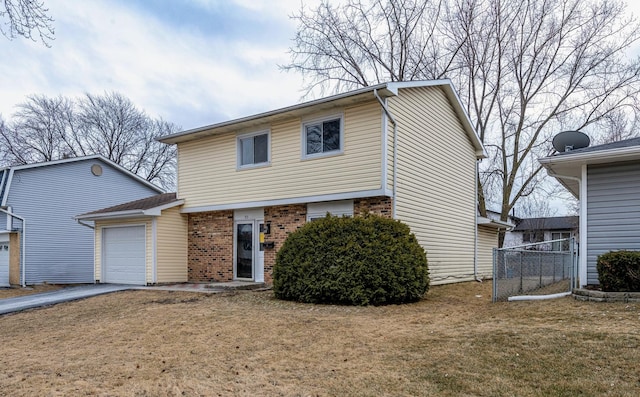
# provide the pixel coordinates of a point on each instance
(155, 343)
(35, 289)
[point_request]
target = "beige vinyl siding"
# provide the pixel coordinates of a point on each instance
(208, 175)
(128, 222)
(487, 241)
(436, 181)
(171, 246)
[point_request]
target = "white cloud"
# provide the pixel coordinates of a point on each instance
(171, 72)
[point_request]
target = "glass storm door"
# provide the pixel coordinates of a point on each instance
(244, 250)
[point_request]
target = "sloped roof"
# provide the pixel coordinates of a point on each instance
(7, 172)
(548, 223)
(567, 167)
(605, 146)
(150, 206)
(383, 90)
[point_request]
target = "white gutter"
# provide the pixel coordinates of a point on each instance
(582, 222)
(24, 243)
(395, 152)
(620, 154)
(155, 211)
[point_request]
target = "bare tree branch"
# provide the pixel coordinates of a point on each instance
(26, 18)
(525, 69)
(45, 129)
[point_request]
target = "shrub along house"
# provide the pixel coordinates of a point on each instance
(606, 179)
(404, 150)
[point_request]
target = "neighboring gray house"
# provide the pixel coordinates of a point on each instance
(47, 196)
(535, 230)
(606, 180)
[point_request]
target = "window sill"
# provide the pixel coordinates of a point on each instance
(322, 155)
(252, 166)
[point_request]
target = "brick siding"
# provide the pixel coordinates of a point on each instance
(284, 219)
(210, 252)
(380, 205)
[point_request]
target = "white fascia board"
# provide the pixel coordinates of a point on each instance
(453, 97)
(610, 155)
(55, 162)
(287, 201)
(155, 211)
(85, 158)
(112, 215)
(466, 121)
(383, 89)
(167, 205)
(496, 224)
(263, 117)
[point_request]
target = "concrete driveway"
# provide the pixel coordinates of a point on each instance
(19, 303)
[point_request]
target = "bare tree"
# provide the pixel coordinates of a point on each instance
(26, 18)
(45, 129)
(525, 69)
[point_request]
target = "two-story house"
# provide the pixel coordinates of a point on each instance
(404, 150)
(40, 242)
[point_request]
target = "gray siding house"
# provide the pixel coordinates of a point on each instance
(606, 180)
(47, 196)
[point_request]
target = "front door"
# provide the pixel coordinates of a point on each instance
(249, 250)
(244, 250)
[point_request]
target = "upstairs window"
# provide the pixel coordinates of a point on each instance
(322, 137)
(253, 149)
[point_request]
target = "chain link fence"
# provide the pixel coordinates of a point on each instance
(544, 268)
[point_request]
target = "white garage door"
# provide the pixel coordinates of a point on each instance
(124, 255)
(4, 263)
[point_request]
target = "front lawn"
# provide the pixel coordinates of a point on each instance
(456, 342)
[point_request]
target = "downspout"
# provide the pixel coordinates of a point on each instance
(24, 242)
(475, 234)
(395, 151)
(85, 224)
(582, 255)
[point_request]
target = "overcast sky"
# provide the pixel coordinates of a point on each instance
(191, 62)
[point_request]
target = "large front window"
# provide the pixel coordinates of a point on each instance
(253, 149)
(322, 137)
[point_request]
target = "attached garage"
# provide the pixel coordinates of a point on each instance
(141, 242)
(124, 255)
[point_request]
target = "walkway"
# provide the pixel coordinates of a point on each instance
(20, 303)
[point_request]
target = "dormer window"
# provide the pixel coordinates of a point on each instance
(322, 137)
(253, 149)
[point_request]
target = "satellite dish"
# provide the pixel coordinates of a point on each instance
(570, 140)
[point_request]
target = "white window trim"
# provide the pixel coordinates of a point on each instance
(303, 133)
(239, 165)
(335, 208)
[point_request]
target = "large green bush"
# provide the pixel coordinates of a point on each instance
(353, 261)
(619, 271)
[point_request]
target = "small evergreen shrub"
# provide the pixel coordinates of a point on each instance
(352, 261)
(619, 271)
